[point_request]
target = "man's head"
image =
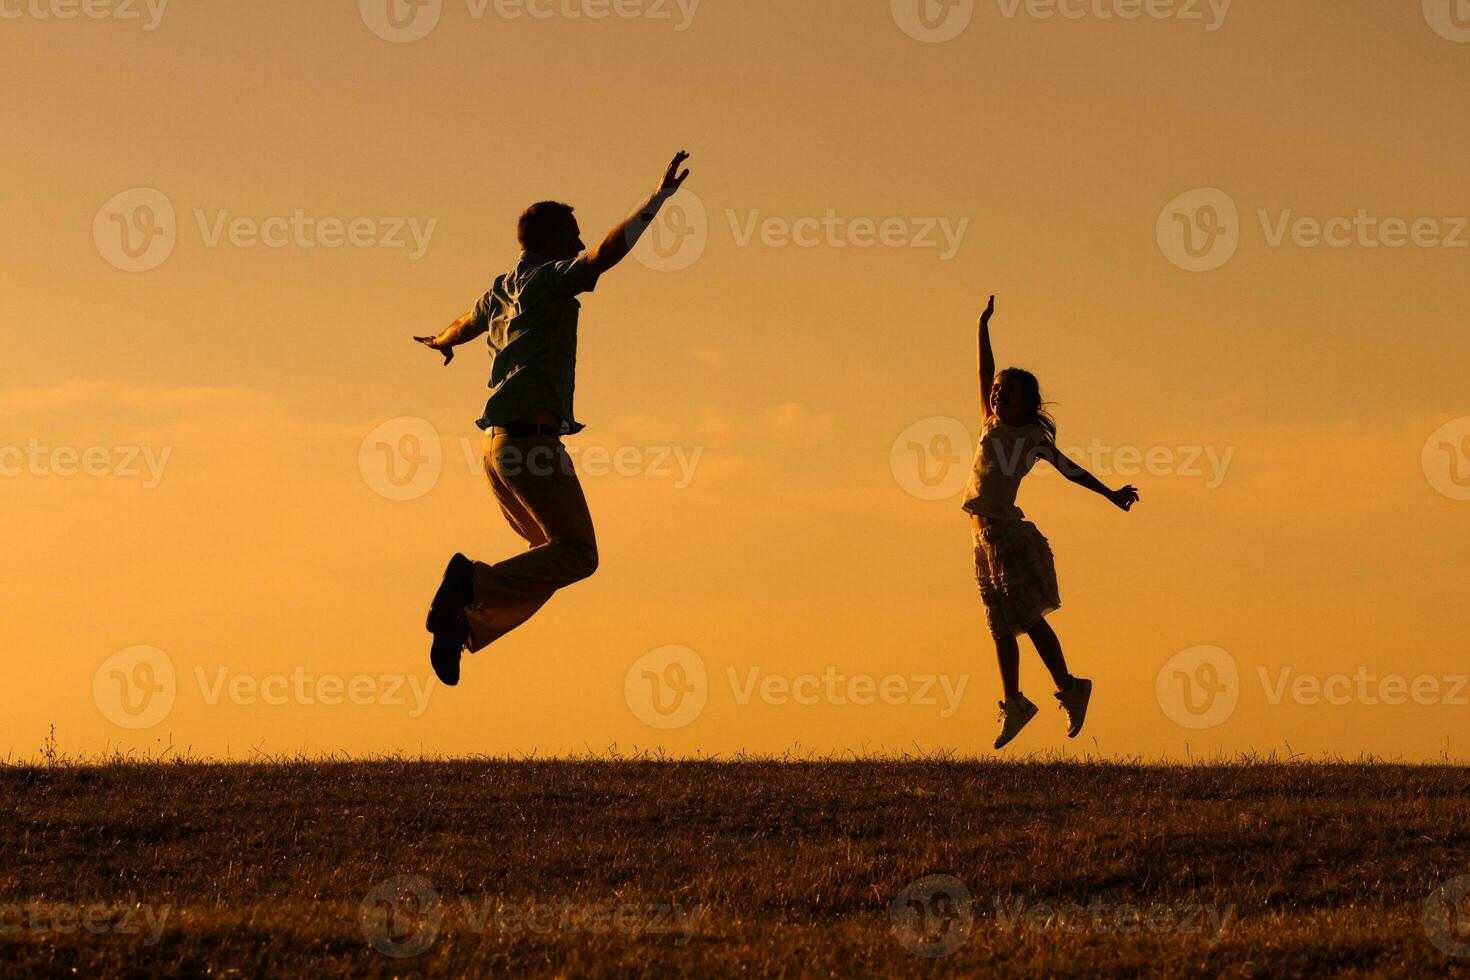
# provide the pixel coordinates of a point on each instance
(549, 229)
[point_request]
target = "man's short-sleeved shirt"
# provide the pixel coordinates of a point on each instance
(530, 318)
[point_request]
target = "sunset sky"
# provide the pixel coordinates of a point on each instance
(1230, 239)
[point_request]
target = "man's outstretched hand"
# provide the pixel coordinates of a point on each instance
(434, 343)
(989, 311)
(673, 180)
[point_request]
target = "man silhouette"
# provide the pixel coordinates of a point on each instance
(531, 315)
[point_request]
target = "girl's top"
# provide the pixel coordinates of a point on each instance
(1006, 454)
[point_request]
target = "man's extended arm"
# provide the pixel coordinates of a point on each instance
(620, 241)
(461, 331)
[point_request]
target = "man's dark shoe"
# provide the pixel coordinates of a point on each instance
(448, 647)
(455, 592)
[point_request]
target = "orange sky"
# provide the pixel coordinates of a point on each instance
(190, 455)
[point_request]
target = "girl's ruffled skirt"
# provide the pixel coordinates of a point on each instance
(1017, 576)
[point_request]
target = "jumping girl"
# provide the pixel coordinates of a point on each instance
(1013, 562)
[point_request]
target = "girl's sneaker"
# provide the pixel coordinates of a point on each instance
(1074, 702)
(1014, 714)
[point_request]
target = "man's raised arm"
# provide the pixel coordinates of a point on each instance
(620, 241)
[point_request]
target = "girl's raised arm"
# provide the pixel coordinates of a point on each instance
(987, 359)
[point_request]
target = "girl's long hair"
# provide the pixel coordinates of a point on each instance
(1031, 394)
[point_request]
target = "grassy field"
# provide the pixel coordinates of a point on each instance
(903, 868)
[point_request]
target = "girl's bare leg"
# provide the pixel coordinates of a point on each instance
(1008, 652)
(1050, 649)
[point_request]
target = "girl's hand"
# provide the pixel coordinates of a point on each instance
(1124, 498)
(989, 312)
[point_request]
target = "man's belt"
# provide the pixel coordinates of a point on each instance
(524, 430)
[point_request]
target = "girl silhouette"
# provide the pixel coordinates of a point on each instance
(1013, 562)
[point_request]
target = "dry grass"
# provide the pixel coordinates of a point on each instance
(777, 868)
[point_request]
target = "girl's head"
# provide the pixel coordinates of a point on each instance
(1016, 398)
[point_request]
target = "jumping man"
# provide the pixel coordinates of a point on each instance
(530, 315)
